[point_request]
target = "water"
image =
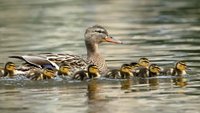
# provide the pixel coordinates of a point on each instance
(162, 30)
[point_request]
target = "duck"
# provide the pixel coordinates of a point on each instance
(142, 67)
(9, 70)
(91, 73)
(178, 70)
(125, 72)
(41, 74)
(154, 70)
(64, 70)
(94, 36)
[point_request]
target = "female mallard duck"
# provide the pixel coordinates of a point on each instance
(125, 72)
(41, 74)
(94, 36)
(8, 70)
(92, 72)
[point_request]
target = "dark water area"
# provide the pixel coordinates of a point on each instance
(165, 31)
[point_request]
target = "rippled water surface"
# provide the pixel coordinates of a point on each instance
(162, 30)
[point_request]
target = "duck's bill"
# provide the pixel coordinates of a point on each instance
(112, 40)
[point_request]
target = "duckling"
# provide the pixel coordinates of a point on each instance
(64, 70)
(142, 70)
(41, 74)
(8, 70)
(154, 70)
(179, 69)
(143, 62)
(91, 73)
(125, 72)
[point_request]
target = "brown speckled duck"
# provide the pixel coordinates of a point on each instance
(94, 36)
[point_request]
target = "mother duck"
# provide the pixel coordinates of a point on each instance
(94, 36)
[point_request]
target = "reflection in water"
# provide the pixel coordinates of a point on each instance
(180, 81)
(154, 83)
(96, 102)
(93, 90)
(126, 84)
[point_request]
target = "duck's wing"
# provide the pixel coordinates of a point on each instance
(37, 61)
(75, 62)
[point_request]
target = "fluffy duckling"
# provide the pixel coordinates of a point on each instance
(64, 70)
(154, 70)
(44, 74)
(8, 70)
(179, 69)
(142, 70)
(125, 72)
(143, 62)
(92, 72)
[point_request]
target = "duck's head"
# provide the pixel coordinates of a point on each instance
(49, 72)
(93, 71)
(134, 65)
(98, 34)
(65, 69)
(144, 62)
(10, 66)
(126, 68)
(155, 69)
(181, 65)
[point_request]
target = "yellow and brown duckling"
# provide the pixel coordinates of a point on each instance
(41, 74)
(142, 69)
(154, 70)
(125, 72)
(91, 73)
(143, 62)
(8, 70)
(179, 69)
(64, 70)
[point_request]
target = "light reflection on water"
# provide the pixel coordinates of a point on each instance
(163, 31)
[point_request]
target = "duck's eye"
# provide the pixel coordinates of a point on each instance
(99, 31)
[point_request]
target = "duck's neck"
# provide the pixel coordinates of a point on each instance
(94, 57)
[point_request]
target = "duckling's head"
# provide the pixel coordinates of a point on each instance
(93, 71)
(155, 69)
(144, 62)
(98, 34)
(10, 66)
(134, 65)
(49, 72)
(126, 68)
(181, 65)
(64, 69)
